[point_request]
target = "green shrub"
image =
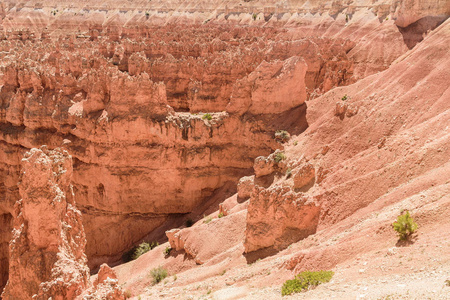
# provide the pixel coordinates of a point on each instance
(279, 157)
(137, 251)
(405, 226)
(305, 281)
(344, 98)
(127, 294)
(167, 251)
(158, 274)
(143, 248)
(207, 116)
(221, 215)
(254, 16)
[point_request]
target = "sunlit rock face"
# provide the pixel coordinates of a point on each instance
(47, 258)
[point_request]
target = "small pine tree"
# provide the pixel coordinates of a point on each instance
(405, 226)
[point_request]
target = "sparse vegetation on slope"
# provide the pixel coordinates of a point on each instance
(305, 281)
(158, 274)
(279, 157)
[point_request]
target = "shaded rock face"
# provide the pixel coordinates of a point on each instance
(47, 257)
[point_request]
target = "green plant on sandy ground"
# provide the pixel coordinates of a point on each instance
(305, 281)
(405, 226)
(206, 220)
(158, 274)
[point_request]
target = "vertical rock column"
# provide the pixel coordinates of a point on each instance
(47, 247)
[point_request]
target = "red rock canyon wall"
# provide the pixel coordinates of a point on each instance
(124, 87)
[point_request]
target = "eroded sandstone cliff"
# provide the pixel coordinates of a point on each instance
(47, 256)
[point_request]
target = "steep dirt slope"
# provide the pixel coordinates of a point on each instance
(383, 149)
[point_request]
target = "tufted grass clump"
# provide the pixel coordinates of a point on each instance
(158, 274)
(306, 280)
(279, 157)
(405, 226)
(206, 220)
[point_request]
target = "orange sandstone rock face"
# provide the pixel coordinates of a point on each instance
(211, 239)
(47, 257)
(278, 217)
(272, 88)
(106, 286)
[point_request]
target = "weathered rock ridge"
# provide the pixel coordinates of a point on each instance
(47, 258)
(47, 250)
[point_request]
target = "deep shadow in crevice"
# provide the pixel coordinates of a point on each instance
(251, 257)
(415, 32)
(293, 120)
